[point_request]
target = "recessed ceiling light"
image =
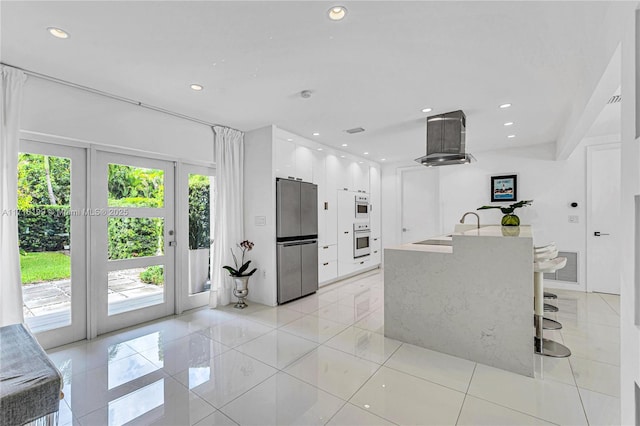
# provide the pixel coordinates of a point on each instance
(290, 140)
(196, 87)
(342, 156)
(57, 32)
(337, 13)
(344, 144)
(511, 136)
(319, 149)
(383, 159)
(316, 134)
(366, 153)
(503, 106)
(509, 123)
(360, 162)
(426, 109)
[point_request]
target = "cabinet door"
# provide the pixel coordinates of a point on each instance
(331, 217)
(304, 163)
(327, 271)
(359, 177)
(289, 272)
(285, 158)
(320, 180)
(374, 200)
(363, 184)
(343, 175)
(309, 255)
(332, 167)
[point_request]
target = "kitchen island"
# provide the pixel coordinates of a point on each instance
(469, 294)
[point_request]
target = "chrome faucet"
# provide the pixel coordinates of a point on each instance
(475, 214)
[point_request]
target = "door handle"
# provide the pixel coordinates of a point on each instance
(599, 234)
(172, 244)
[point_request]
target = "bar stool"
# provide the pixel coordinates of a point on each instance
(543, 263)
(545, 253)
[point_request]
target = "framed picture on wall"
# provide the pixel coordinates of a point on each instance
(504, 188)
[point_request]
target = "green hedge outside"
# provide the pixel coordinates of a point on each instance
(43, 228)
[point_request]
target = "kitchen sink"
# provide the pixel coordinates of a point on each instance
(436, 242)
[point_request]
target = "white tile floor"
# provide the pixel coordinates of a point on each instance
(324, 360)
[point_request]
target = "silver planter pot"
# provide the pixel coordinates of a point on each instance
(241, 290)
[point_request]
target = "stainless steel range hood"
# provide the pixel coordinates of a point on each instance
(446, 140)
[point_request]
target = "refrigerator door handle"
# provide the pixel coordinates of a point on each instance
(298, 243)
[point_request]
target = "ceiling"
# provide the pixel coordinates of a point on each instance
(375, 69)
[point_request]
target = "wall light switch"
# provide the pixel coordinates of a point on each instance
(573, 219)
(260, 220)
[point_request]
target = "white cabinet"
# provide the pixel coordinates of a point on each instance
(284, 159)
(304, 163)
(358, 177)
(327, 271)
(374, 200)
(342, 172)
(327, 198)
(327, 263)
(292, 161)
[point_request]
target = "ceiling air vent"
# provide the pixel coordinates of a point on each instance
(355, 130)
(614, 99)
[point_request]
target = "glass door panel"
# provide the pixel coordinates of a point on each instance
(135, 240)
(198, 203)
(52, 237)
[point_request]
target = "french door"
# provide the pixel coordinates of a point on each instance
(196, 226)
(133, 240)
(52, 223)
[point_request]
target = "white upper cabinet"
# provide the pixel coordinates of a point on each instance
(342, 173)
(359, 177)
(292, 161)
(374, 200)
(304, 163)
(285, 158)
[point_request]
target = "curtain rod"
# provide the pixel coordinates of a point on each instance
(112, 96)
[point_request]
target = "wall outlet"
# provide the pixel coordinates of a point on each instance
(260, 220)
(574, 219)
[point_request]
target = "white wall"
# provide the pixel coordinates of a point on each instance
(259, 200)
(553, 185)
(54, 109)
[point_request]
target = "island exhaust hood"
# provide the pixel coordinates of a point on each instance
(446, 140)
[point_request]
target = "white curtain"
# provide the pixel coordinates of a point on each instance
(229, 209)
(10, 283)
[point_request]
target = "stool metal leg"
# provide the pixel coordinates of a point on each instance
(550, 308)
(544, 346)
(548, 295)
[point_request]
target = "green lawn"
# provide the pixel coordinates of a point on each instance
(44, 266)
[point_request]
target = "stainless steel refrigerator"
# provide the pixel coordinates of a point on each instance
(296, 238)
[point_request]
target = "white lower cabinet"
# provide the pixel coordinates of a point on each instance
(356, 265)
(327, 263)
(327, 271)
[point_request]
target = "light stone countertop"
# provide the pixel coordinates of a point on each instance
(467, 231)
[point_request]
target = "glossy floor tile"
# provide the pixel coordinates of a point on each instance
(349, 414)
(364, 344)
(546, 399)
(436, 367)
(404, 399)
(225, 377)
(334, 371)
(283, 400)
(477, 412)
(324, 360)
(277, 348)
